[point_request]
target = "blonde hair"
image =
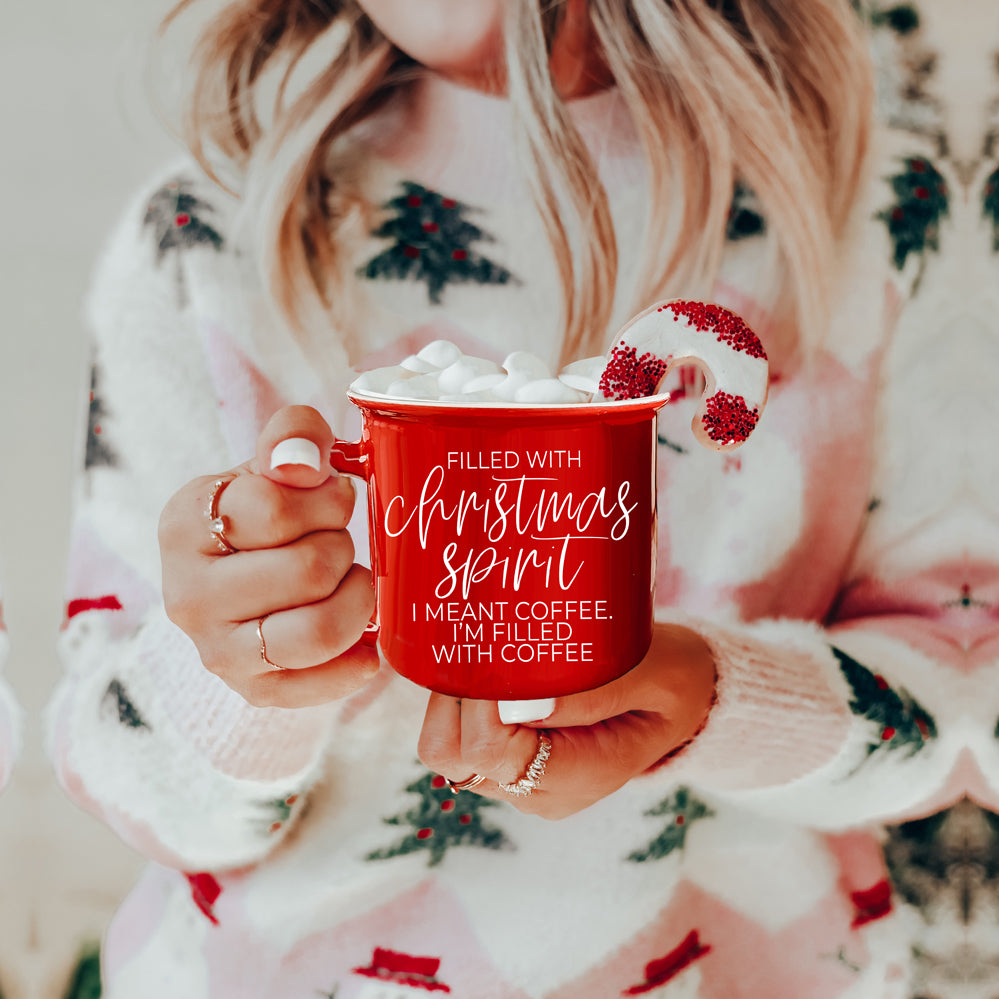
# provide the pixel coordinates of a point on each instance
(774, 95)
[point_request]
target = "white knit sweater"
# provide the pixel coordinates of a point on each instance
(837, 566)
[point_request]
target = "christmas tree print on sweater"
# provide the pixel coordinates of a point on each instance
(441, 820)
(990, 206)
(744, 219)
(432, 242)
(945, 873)
(900, 722)
(98, 452)
(180, 220)
(913, 219)
(682, 809)
(118, 703)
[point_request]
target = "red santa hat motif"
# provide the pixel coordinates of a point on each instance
(404, 969)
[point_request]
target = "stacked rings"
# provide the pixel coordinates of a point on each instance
(535, 770)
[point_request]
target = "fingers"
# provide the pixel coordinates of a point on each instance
(293, 448)
(251, 584)
(460, 738)
(304, 636)
(600, 739)
(300, 688)
(257, 513)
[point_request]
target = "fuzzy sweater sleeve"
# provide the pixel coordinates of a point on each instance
(141, 733)
(877, 710)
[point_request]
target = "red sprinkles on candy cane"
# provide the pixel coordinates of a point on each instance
(726, 325)
(729, 419)
(719, 341)
(628, 376)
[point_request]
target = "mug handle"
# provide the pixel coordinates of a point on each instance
(351, 458)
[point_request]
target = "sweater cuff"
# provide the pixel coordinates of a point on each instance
(235, 737)
(781, 708)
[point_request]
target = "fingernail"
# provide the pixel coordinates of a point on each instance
(519, 712)
(295, 451)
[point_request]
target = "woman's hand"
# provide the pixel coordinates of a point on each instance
(600, 738)
(293, 570)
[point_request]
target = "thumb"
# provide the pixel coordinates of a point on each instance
(586, 708)
(293, 448)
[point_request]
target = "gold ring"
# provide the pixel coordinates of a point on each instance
(216, 524)
(464, 785)
(263, 644)
(535, 769)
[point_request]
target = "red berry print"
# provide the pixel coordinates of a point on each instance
(430, 227)
(437, 781)
(881, 682)
(922, 193)
(448, 203)
(424, 833)
(181, 220)
(414, 201)
(681, 819)
(411, 251)
(728, 419)
(887, 733)
(459, 255)
(447, 806)
(464, 819)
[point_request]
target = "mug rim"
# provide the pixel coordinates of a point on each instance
(427, 405)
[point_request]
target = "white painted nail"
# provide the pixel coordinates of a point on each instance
(518, 712)
(295, 451)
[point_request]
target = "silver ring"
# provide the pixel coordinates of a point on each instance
(464, 785)
(219, 525)
(535, 769)
(263, 644)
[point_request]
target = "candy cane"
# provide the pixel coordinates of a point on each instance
(718, 341)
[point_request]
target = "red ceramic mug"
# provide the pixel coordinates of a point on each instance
(513, 547)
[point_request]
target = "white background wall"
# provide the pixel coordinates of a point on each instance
(76, 135)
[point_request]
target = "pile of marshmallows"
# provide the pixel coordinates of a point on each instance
(441, 371)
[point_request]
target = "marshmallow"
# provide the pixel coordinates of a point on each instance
(441, 371)
(584, 375)
(415, 387)
(417, 364)
(548, 390)
(379, 379)
(523, 362)
(455, 376)
(439, 353)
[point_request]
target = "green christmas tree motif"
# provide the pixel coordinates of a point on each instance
(85, 978)
(179, 220)
(913, 220)
(117, 701)
(683, 809)
(98, 450)
(902, 18)
(275, 812)
(431, 242)
(441, 820)
(901, 722)
(990, 206)
(743, 218)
